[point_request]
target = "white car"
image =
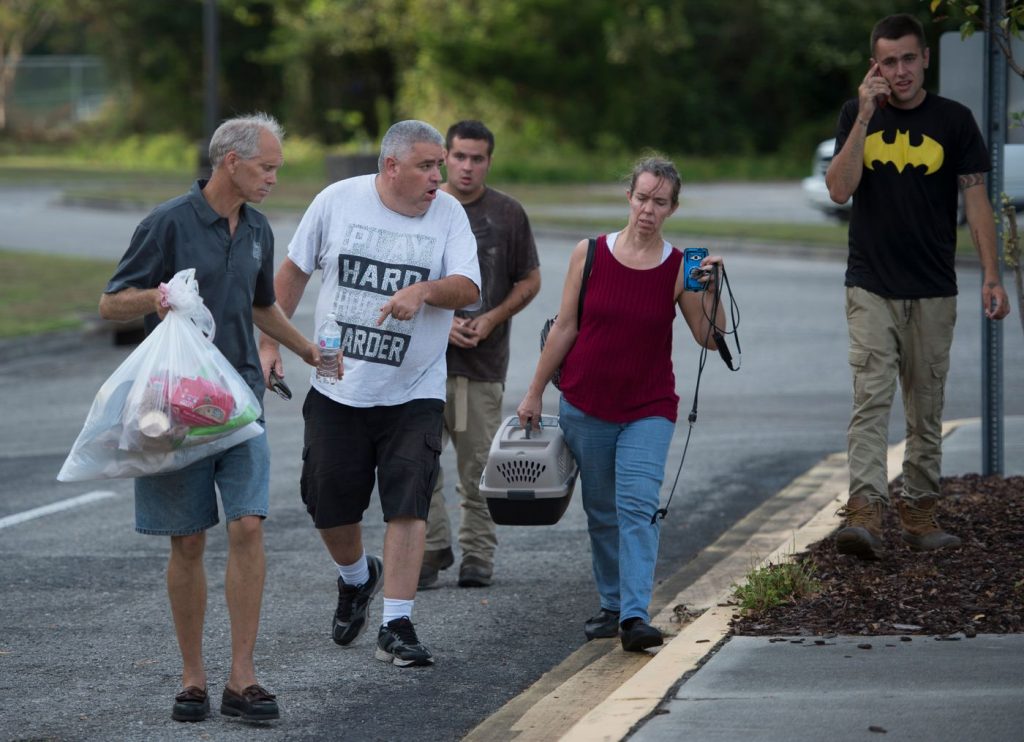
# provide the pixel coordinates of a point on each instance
(814, 184)
(817, 193)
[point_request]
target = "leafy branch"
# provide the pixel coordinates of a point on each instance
(973, 18)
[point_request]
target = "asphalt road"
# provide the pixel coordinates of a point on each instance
(36, 218)
(86, 644)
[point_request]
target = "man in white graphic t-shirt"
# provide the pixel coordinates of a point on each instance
(397, 257)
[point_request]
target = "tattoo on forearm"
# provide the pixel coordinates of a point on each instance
(971, 180)
(519, 300)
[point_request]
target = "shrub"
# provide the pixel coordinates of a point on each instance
(775, 584)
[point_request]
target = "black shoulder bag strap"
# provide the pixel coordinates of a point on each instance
(587, 265)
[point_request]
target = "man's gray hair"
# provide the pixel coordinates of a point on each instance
(242, 134)
(403, 136)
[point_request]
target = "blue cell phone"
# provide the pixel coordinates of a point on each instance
(692, 257)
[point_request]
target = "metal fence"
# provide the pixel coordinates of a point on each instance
(56, 91)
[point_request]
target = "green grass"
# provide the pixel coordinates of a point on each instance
(89, 183)
(288, 195)
(518, 160)
(47, 293)
(827, 236)
(776, 584)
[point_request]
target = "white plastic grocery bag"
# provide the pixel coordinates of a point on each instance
(176, 399)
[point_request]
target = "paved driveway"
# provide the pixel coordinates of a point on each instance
(86, 646)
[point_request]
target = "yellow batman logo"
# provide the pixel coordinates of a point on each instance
(902, 153)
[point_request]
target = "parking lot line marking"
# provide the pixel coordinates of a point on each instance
(55, 507)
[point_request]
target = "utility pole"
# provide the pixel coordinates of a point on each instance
(992, 331)
(211, 95)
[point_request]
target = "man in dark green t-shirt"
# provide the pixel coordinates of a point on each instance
(478, 352)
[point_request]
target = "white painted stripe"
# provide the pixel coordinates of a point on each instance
(56, 507)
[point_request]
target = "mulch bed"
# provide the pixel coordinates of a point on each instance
(975, 589)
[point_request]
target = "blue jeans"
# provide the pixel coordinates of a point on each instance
(621, 469)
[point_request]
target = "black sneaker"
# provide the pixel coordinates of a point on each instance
(350, 617)
(397, 644)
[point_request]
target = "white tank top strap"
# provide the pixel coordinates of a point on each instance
(666, 249)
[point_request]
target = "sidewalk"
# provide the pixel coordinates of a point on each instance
(706, 685)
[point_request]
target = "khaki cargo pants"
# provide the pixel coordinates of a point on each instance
(908, 340)
(472, 416)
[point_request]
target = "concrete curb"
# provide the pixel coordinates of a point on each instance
(633, 702)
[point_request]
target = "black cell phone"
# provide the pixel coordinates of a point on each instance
(278, 386)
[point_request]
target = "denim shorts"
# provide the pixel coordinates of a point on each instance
(347, 448)
(184, 502)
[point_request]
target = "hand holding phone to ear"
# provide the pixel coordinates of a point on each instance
(874, 92)
(882, 98)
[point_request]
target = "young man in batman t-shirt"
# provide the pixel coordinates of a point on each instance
(904, 155)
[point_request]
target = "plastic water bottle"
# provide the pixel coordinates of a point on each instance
(328, 337)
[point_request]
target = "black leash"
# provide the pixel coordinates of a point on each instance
(723, 351)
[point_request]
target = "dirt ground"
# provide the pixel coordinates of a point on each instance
(977, 588)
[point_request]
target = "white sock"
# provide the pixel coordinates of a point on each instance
(394, 608)
(354, 574)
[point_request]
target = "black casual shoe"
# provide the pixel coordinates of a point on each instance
(475, 572)
(638, 636)
(605, 624)
(350, 617)
(192, 704)
(434, 560)
(397, 644)
(255, 703)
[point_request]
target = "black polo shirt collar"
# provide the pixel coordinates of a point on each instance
(206, 213)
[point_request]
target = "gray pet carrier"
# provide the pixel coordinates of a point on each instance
(530, 474)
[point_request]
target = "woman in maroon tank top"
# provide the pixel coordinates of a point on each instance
(618, 406)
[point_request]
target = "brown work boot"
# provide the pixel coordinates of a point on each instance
(475, 572)
(862, 534)
(921, 530)
(434, 560)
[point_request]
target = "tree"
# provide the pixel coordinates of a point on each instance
(343, 62)
(602, 76)
(154, 53)
(22, 24)
(972, 17)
